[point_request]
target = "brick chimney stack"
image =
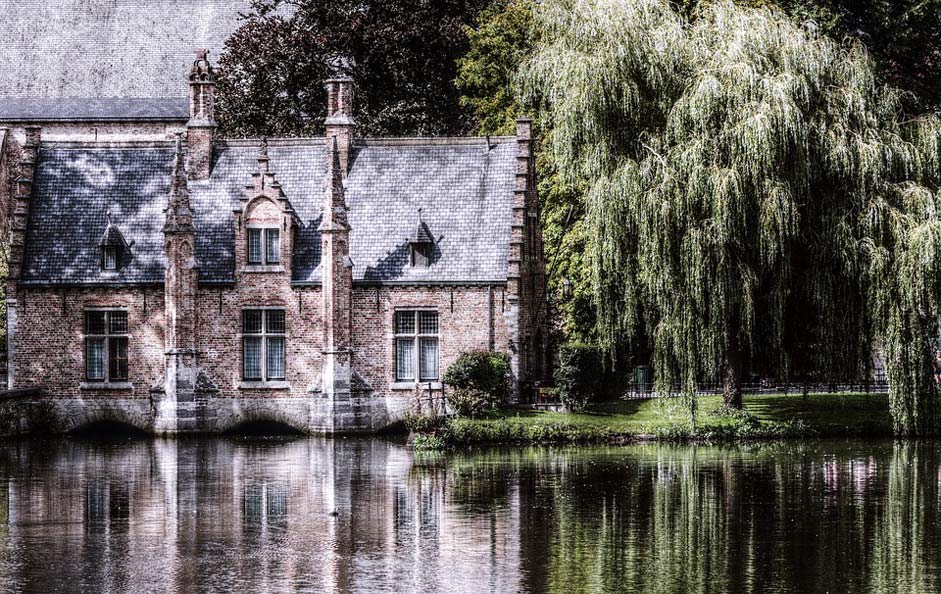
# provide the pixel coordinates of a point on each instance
(339, 122)
(201, 127)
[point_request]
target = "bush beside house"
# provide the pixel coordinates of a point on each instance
(479, 382)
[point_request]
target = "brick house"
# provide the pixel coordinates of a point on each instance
(194, 284)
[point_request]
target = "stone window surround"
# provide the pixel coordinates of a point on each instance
(263, 267)
(106, 384)
(265, 229)
(263, 384)
(430, 384)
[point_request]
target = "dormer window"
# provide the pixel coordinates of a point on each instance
(109, 258)
(264, 246)
(421, 254)
(111, 248)
(421, 245)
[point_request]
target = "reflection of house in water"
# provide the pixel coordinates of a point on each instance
(332, 516)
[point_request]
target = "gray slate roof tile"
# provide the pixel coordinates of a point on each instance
(465, 192)
(17, 109)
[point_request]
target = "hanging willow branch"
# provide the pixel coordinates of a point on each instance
(754, 199)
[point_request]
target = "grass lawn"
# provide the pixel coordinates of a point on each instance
(769, 416)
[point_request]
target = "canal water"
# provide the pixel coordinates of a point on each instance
(371, 516)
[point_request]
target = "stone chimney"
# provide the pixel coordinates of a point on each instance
(337, 283)
(339, 122)
(201, 127)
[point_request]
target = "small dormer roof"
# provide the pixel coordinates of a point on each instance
(112, 236)
(421, 234)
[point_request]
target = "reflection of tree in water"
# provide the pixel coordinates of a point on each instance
(344, 515)
(906, 548)
(705, 519)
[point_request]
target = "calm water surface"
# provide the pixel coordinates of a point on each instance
(315, 515)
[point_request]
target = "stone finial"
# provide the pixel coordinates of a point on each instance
(334, 215)
(179, 165)
(263, 156)
(202, 70)
(179, 212)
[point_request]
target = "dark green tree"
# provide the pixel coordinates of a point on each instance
(502, 37)
(403, 54)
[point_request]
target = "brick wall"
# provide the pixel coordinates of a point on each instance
(50, 348)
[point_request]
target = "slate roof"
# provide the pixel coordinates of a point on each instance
(465, 192)
(20, 109)
(108, 48)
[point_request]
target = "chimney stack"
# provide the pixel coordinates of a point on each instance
(201, 127)
(339, 122)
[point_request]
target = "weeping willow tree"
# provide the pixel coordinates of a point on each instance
(755, 199)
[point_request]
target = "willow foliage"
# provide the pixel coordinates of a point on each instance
(755, 199)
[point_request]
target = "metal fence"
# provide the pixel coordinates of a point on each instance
(877, 384)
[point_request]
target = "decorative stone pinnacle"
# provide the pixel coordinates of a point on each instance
(202, 69)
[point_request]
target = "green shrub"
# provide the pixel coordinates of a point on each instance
(580, 375)
(429, 442)
(468, 402)
(483, 371)
(418, 423)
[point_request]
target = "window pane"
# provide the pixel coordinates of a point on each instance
(251, 321)
(275, 321)
(275, 358)
(110, 258)
(251, 357)
(405, 358)
(94, 322)
(272, 255)
(429, 358)
(254, 246)
(95, 359)
(117, 322)
(428, 322)
(405, 322)
(117, 359)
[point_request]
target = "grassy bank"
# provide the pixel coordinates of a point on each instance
(764, 417)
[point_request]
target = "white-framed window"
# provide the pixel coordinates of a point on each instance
(263, 344)
(106, 339)
(264, 246)
(416, 345)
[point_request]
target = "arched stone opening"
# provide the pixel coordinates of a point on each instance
(108, 428)
(262, 427)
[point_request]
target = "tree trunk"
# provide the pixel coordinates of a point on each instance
(732, 379)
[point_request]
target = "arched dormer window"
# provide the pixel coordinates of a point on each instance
(111, 248)
(421, 245)
(263, 233)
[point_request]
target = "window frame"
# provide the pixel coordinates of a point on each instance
(264, 337)
(417, 337)
(108, 339)
(115, 252)
(266, 256)
(421, 255)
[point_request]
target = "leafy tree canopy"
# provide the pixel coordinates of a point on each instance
(403, 53)
(751, 190)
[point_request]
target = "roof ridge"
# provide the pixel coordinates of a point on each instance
(105, 144)
(431, 140)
